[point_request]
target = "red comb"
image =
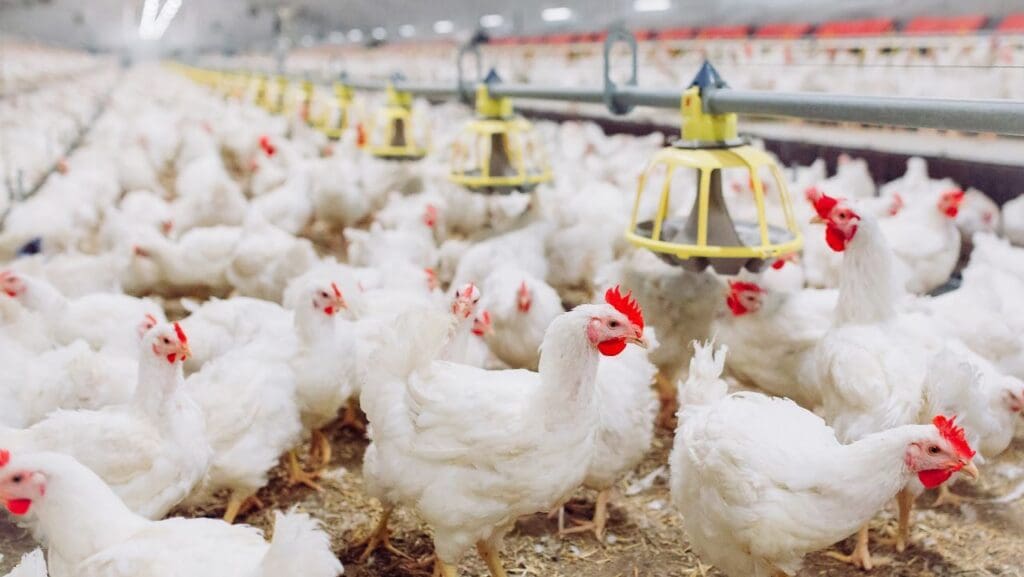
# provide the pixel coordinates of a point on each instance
(182, 338)
(954, 434)
(824, 204)
(5, 457)
(337, 292)
(625, 305)
(737, 286)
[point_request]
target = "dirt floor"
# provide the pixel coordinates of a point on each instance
(645, 536)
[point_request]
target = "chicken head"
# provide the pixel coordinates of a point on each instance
(524, 298)
(943, 452)
(744, 297)
(168, 341)
(840, 220)
(950, 201)
(11, 284)
(466, 299)
(611, 331)
(19, 487)
(327, 298)
(482, 324)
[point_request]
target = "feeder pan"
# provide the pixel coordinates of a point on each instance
(708, 235)
(392, 135)
(498, 152)
(334, 126)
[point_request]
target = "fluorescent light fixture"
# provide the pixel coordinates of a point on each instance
(559, 14)
(492, 20)
(336, 37)
(406, 30)
(154, 23)
(443, 26)
(355, 35)
(651, 5)
(379, 33)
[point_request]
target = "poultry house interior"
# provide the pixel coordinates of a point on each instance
(587, 288)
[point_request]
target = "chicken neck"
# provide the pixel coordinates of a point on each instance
(868, 291)
(158, 381)
(568, 371)
(80, 515)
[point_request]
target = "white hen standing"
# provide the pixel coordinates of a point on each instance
(473, 450)
(761, 482)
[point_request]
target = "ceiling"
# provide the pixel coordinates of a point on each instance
(252, 24)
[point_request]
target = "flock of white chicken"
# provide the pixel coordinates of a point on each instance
(440, 314)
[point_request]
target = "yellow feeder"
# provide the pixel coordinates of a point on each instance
(709, 235)
(334, 123)
(498, 151)
(392, 132)
(296, 99)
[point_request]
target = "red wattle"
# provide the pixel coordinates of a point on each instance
(329, 311)
(19, 506)
(11, 294)
(952, 211)
(172, 357)
(835, 239)
(935, 477)
(611, 348)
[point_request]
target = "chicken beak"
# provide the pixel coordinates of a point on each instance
(638, 339)
(970, 470)
(817, 220)
(184, 351)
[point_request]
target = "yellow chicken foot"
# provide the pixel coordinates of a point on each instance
(238, 505)
(948, 497)
(381, 537)
(298, 476)
(490, 556)
(320, 448)
(600, 520)
(669, 404)
(442, 569)
(861, 556)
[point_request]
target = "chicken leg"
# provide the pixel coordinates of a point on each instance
(381, 537)
(442, 569)
(351, 419)
(298, 476)
(861, 556)
(490, 556)
(948, 497)
(600, 520)
(669, 404)
(905, 503)
(238, 505)
(320, 448)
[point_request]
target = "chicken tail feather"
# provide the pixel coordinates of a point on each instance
(300, 548)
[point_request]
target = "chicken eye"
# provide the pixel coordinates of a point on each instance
(614, 324)
(166, 341)
(323, 294)
(17, 478)
(934, 450)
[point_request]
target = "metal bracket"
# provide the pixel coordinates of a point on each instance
(465, 94)
(618, 34)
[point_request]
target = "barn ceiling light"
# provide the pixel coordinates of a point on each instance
(492, 20)
(443, 26)
(154, 23)
(651, 5)
(355, 35)
(407, 31)
(379, 33)
(559, 14)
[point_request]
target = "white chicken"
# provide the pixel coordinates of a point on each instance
(521, 307)
(925, 239)
(151, 450)
(266, 258)
(761, 481)
(105, 321)
(91, 533)
(772, 338)
(435, 440)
